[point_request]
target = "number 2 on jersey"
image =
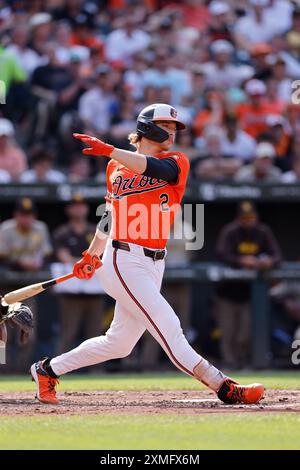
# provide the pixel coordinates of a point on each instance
(164, 202)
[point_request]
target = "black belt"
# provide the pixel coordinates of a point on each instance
(154, 254)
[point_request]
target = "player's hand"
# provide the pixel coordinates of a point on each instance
(95, 146)
(86, 267)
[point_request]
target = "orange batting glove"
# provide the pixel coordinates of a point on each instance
(95, 146)
(86, 267)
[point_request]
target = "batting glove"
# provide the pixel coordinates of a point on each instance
(96, 146)
(86, 267)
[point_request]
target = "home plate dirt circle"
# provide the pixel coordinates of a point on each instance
(180, 402)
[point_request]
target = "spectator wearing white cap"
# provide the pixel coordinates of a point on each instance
(220, 21)
(221, 72)
(262, 170)
(253, 113)
(124, 42)
(25, 56)
(256, 26)
(236, 142)
(41, 28)
(12, 158)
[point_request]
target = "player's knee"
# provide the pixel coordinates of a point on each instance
(123, 351)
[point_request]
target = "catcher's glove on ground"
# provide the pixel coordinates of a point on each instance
(19, 315)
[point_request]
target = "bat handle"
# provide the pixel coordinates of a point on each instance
(58, 280)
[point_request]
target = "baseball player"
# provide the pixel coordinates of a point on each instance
(148, 181)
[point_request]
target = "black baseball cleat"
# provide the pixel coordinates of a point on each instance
(231, 392)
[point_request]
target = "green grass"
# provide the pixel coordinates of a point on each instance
(243, 430)
(238, 431)
(163, 381)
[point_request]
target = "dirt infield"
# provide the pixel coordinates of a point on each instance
(144, 402)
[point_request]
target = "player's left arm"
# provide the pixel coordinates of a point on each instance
(165, 169)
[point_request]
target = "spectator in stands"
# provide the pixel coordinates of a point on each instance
(260, 53)
(220, 21)
(260, 24)
(254, 112)
(82, 33)
(292, 176)
(221, 72)
(262, 170)
(4, 177)
(293, 35)
(244, 243)
(198, 86)
(123, 43)
(79, 169)
(185, 143)
(24, 240)
(165, 73)
(27, 58)
(280, 136)
(123, 122)
(98, 105)
(62, 38)
(213, 165)
(10, 70)
(211, 114)
(134, 76)
(42, 170)
(40, 31)
(282, 78)
(12, 158)
(237, 143)
(77, 310)
(48, 81)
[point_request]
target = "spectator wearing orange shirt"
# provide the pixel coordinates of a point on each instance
(281, 138)
(212, 114)
(82, 35)
(12, 158)
(253, 114)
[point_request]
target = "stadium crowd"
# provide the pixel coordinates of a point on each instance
(229, 67)
(91, 66)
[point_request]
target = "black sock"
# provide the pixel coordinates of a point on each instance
(48, 368)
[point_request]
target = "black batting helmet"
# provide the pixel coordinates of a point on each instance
(146, 126)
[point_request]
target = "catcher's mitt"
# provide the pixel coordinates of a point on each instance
(19, 315)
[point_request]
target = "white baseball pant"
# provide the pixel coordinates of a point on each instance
(134, 281)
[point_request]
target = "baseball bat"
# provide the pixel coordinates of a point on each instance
(30, 291)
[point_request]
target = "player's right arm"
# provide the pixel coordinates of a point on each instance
(139, 163)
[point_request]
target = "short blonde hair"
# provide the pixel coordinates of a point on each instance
(134, 138)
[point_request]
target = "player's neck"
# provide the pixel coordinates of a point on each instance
(149, 148)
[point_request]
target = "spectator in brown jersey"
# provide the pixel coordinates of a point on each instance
(78, 311)
(243, 243)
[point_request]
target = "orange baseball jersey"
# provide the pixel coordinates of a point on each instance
(143, 208)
